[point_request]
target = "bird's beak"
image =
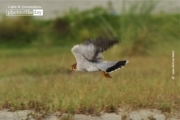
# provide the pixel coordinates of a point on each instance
(71, 69)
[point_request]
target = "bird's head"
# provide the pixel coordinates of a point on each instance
(73, 67)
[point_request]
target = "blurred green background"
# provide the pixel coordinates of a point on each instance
(140, 30)
(35, 57)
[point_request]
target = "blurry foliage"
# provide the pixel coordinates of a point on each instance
(18, 30)
(61, 27)
(136, 27)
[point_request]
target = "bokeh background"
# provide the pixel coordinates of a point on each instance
(35, 56)
(142, 27)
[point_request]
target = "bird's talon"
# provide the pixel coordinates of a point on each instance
(106, 74)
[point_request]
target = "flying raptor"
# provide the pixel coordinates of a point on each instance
(89, 57)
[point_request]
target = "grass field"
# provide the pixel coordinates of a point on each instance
(41, 80)
(34, 73)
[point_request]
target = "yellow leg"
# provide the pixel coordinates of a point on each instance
(106, 74)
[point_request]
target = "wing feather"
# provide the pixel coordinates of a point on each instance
(92, 49)
(101, 44)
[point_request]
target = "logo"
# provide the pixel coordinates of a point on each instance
(17, 10)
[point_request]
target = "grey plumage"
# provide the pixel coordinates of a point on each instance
(93, 48)
(89, 55)
(101, 43)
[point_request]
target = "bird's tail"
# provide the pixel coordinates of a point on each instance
(112, 66)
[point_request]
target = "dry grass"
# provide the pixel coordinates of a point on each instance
(43, 82)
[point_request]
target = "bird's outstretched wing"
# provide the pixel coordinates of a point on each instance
(92, 49)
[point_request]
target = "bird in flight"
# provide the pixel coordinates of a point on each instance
(89, 57)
